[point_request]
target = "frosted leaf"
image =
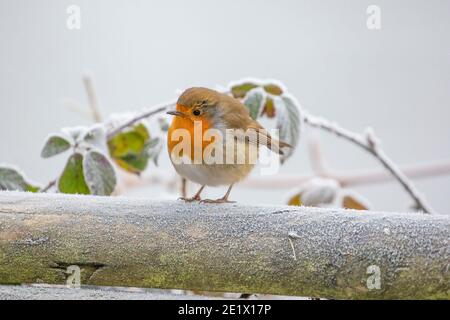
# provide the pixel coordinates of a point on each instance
(320, 191)
(76, 133)
(153, 149)
(96, 137)
(240, 87)
(54, 145)
(316, 192)
(99, 173)
(12, 179)
(289, 123)
(254, 101)
(349, 199)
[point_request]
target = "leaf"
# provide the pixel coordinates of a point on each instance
(288, 123)
(136, 163)
(152, 143)
(273, 89)
(142, 130)
(125, 143)
(99, 173)
(55, 145)
(269, 108)
(351, 202)
(295, 200)
(128, 149)
(72, 179)
(316, 192)
(75, 133)
(128, 142)
(133, 163)
(153, 150)
(12, 180)
(240, 90)
(254, 101)
(96, 137)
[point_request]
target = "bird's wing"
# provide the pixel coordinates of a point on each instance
(238, 117)
(265, 139)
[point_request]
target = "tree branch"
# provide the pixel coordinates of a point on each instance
(170, 238)
(49, 186)
(370, 144)
(144, 115)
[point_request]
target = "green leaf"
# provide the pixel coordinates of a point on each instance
(12, 180)
(254, 101)
(136, 163)
(99, 173)
(128, 142)
(240, 90)
(128, 149)
(142, 130)
(72, 179)
(288, 123)
(54, 145)
(273, 89)
(133, 163)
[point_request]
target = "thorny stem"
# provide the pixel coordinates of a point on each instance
(370, 145)
(48, 186)
(140, 117)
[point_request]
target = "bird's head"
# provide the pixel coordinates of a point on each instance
(197, 104)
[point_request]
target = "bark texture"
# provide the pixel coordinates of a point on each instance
(229, 247)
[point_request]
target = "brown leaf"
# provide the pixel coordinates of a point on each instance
(269, 108)
(273, 89)
(295, 200)
(349, 202)
(239, 91)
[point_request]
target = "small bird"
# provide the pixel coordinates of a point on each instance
(214, 110)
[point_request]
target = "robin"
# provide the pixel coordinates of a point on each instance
(200, 111)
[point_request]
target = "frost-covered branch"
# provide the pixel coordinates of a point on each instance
(142, 116)
(131, 241)
(370, 143)
(49, 185)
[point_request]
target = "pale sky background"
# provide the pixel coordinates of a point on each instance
(396, 80)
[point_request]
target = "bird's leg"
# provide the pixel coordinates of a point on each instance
(196, 197)
(224, 199)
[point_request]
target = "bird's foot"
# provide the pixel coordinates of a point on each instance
(221, 200)
(191, 199)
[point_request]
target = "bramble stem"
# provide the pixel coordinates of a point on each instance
(371, 145)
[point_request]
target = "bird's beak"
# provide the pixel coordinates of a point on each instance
(177, 113)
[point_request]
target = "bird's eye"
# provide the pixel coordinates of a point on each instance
(196, 112)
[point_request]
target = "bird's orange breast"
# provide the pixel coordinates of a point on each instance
(188, 124)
